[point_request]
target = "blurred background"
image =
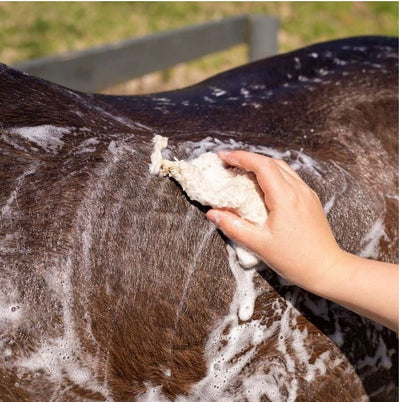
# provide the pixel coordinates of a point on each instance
(31, 30)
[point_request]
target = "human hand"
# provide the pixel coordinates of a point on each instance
(296, 240)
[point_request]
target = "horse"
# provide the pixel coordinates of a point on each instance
(115, 287)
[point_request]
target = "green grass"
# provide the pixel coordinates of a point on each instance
(37, 29)
(29, 30)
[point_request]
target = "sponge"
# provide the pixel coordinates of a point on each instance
(209, 181)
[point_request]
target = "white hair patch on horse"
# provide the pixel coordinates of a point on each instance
(209, 181)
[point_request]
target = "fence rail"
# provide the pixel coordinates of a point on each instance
(95, 68)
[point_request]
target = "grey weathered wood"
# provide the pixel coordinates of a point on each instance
(262, 36)
(95, 68)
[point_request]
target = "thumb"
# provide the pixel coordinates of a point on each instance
(237, 229)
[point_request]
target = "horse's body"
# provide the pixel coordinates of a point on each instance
(114, 286)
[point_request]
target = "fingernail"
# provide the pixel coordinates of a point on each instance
(237, 223)
(225, 155)
(213, 216)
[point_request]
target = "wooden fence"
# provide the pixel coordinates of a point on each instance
(92, 69)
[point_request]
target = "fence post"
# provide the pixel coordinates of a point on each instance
(262, 36)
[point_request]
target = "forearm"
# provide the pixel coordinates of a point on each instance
(364, 286)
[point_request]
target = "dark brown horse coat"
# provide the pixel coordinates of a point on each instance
(113, 286)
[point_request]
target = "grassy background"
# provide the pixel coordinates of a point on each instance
(37, 29)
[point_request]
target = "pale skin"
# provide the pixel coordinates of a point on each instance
(297, 242)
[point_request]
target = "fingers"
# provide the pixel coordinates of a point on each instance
(287, 168)
(272, 178)
(289, 177)
(252, 161)
(293, 177)
(238, 229)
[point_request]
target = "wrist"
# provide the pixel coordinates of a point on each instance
(334, 272)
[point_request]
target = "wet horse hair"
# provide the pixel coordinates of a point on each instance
(114, 286)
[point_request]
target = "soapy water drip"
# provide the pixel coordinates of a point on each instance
(233, 346)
